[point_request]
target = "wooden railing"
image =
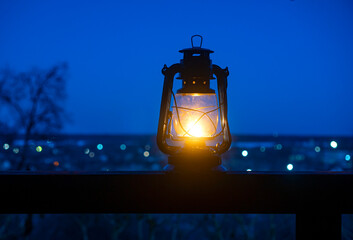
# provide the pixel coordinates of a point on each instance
(317, 198)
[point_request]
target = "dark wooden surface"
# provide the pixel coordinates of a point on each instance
(158, 192)
(318, 198)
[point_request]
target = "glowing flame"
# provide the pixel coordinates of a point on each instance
(196, 130)
(196, 116)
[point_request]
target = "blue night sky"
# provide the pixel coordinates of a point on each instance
(290, 62)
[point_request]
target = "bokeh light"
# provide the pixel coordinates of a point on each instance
(6, 146)
(278, 146)
(290, 167)
(244, 153)
(123, 147)
(333, 144)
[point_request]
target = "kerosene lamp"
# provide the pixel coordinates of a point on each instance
(193, 126)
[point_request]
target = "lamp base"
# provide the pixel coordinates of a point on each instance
(195, 162)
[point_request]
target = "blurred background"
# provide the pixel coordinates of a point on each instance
(81, 86)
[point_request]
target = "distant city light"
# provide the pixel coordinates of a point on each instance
(56, 163)
(248, 170)
(91, 154)
(6, 165)
(123, 147)
(290, 167)
(100, 147)
(244, 153)
(262, 149)
(103, 158)
(278, 146)
(39, 148)
(146, 153)
(348, 157)
(299, 157)
(317, 149)
(6, 146)
(87, 151)
(16, 150)
(80, 143)
(333, 144)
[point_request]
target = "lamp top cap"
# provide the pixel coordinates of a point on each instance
(196, 49)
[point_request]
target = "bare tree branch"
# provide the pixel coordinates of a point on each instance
(33, 102)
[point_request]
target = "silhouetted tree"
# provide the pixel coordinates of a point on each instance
(32, 103)
(10, 95)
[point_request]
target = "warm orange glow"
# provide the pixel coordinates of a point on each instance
(56, 163)
(196, 115)
(197, 130)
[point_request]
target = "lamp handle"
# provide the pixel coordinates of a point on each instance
(222, 83)
(192, 40)
(169, 74)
